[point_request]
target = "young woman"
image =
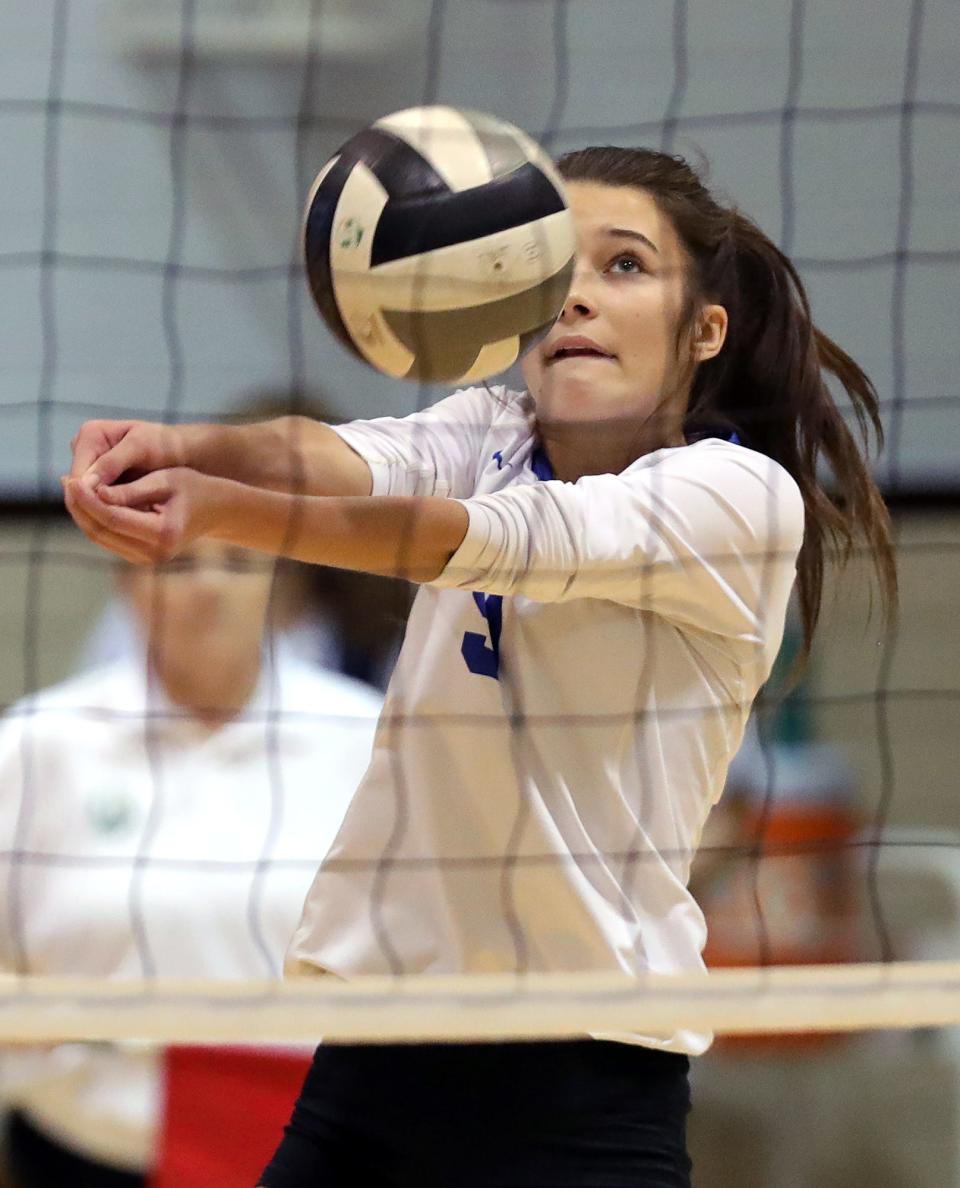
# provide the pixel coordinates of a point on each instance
(605, 562)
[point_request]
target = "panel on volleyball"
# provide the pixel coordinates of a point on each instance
(439, 244)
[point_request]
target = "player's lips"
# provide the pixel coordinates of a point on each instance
(576, 346)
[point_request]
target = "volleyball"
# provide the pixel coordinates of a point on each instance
(438, 244)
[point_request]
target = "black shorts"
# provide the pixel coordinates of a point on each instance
(36, 1160)
(571, 1114)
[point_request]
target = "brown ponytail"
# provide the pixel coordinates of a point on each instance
(769, 381)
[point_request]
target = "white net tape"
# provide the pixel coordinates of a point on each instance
(784, 999)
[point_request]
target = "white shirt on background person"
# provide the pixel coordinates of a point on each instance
(230, 824)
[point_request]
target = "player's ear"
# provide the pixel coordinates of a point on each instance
(711, 331)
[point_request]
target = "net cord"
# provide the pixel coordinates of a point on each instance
(452, 1008)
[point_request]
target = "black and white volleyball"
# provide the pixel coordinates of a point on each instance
(438, 244)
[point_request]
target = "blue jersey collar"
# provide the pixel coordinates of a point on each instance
(544, 471)
(541, 464)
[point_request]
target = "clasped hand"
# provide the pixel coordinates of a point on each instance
(130, 491)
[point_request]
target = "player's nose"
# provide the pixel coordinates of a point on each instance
(580, 302)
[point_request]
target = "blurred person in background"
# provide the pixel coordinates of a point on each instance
(162, 816)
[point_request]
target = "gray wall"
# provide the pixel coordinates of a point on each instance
(149, 265)
(921, 682)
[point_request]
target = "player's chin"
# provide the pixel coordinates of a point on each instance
(576, 400)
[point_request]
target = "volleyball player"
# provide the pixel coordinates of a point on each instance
(605, 562)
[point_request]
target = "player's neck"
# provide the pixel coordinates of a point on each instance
(575, 450)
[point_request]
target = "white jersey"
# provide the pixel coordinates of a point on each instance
(226, 828)
(567, 698)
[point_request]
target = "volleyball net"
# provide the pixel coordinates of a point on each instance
(166, 152)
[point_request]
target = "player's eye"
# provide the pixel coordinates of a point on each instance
(626, 264)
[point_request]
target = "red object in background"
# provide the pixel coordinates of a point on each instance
(224, 1115)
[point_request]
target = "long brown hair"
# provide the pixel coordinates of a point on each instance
(769, 382)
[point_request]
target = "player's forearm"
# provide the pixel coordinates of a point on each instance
(412, 538)
(294, 455)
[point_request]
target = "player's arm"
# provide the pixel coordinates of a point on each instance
(431, 452)
(707, 538)
(152, 518)
(299, 455)
(293, 454)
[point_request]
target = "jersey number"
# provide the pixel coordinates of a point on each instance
(483, 658)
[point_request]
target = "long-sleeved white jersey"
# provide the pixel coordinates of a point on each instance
(567, 699)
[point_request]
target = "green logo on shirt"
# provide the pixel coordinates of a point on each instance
(110, 811)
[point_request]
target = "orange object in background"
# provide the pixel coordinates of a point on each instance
(788, 889)
(225, 1111)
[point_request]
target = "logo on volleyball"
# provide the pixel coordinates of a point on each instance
(350, 233)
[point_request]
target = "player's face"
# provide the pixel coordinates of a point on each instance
(613, 353)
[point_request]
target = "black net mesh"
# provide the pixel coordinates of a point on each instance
(152, 269)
